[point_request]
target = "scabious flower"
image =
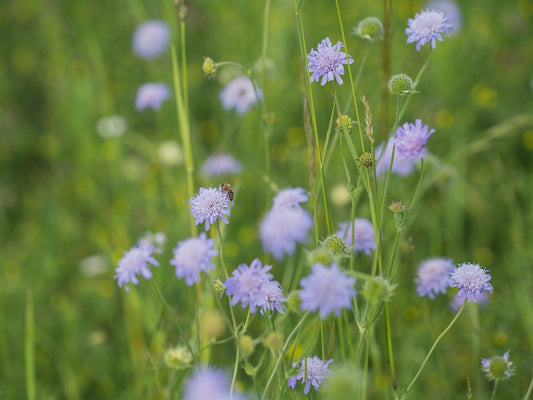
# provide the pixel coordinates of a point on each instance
(220, 164)
(327, 61)
(290, 197)
(136, 262)
(240, 95)
(273, 297)
(327, 290)
(363, 238)
(427, 26)
(193, 256)
(433, 277)
(209, 205)
(151, 39)
(498, 367)
(471, 280)
(283, 228)
(151, 95)
(313, 371)
(209, 383)
(410, 140)
(401, 167)
(451, 9)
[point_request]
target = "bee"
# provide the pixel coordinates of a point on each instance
(226, 188)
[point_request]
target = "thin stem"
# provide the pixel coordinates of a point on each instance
(389, 348)
(494, 389)
(385, 66)
(409, 95)
(29, 344)
(529, 390)
(415, 196)
(235, 369)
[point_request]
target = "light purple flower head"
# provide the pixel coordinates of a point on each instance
(364, 240)
(326, 290)
(312, 372)
(328, 61)
(283, 228)
(498, 367)
(401, 167)
(451, 9)
(427, 26)
(471, 280)
(193, 256)
(151, 39)
(410, 140)
(239, 94)
(273, 297)
(151, 95)
(209, 205)
(290, 197)
(433, 277)
(135, 262)
(220, 164)
(209, 384)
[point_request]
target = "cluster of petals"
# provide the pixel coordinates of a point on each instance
(312, 372)
(151, 39)
(151, 95)
(472, 281)
(136, 262)
(327, 62)
(220, 164)
(209, 205)
(240, 95)
(363, 239)
(433, 277)
(193, 256)
(427, 27)
(400, 166)
(209, 384)
(410, 140)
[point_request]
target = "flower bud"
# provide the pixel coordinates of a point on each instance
(212, 324)
(401, 84)
(369, 28)
(320, 255)
(378, 290)
(219, 287)
(344, 125)
(246, 345)
(178, 357)
(366, 160)
(400, 217)
(498, 367)
(274, 341)
(209, 67)
(335, 243)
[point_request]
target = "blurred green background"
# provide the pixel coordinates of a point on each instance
(66, 193)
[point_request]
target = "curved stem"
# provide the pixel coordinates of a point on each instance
(529, 390)
(494, 389)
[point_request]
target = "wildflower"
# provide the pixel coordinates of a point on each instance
(135, 262)
(327, 290)
(401, 84)
(451, 9)
(401, 167)
(151, 39)
(151, 95)
(283, 228)
(369, 28)
(112, 126)
(209, 67)
(220, 164)
(290, 197)
(427, 26)
(209, 383)
(240, 95)
(344, 124)
(246, 345)
(472, 281)
(328, 62)
(209, 205)
(410, 140)
(312, 371)
(498, 367)
(334, 243)
(363, 235)
(178, 357)
(433, 277)
(193, 256)
(366, 160)
(273, 297)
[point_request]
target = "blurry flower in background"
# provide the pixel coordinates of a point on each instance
(93, 265)
(471, 280)
(498, 367)
(209, 205)
(193, 256)
(363, 240)
(290, 198)
(239, 94)
(178, 357)
(151, 95)
(410, 140)
(169, 153)
(212, 324)
(207, 383)
(433, 277)
(312, 371)
(400, 167)
(328, 61)
(451, 9)
(427, 26)
(111, 126)
(339, 194)
(220, 164)
(157, 239)
(369, 28)
(136, 262)
(151, 39)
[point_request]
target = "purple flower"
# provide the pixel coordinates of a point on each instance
(433, 277)
(239, 94)
(457, 301)
(400, 166)
(290, 197)
(328, 62)
(471, 280)
(151, 39)
(273, 297)
(427, 26)
(209, 205)
(498, 367)
(220, 164)
(410, 140)
(135, 262)
(327, 290)
(452, 11)
(193, 256)
(151, 95)
(209, 384)
(364, 240)
(312, 372)
(282, 229)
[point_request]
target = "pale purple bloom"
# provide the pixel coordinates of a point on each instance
(328, 61)
(282, 229)
(427, 26)
(220, 164)
(457, 301)
(433, 277)
(151, 39)
(290, 197)
(363, 239)
(273, 297)
(401, 167)
(136, 262)
(209, 205)
(151, 95)
(240, 95)
(326, 290)
(410, 140)
(209, 384)
(498, 367)
(312, 372)
(193, 256)
(471, 280)
(451, 9)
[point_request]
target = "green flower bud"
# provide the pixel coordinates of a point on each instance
(335, 243)
(369, 28)
(344, 125)
(246, 345)
(498, 367)
(401, 85)
(366, 160)
(209, 67)
(320, 255)
(377, 290)
(178, 357)
(274, 341)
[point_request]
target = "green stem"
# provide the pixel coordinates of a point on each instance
(394, 252)
(415, 196)
(529, 390)
(235, 369)
(389, 349)
(494, 389)
(29, 344)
